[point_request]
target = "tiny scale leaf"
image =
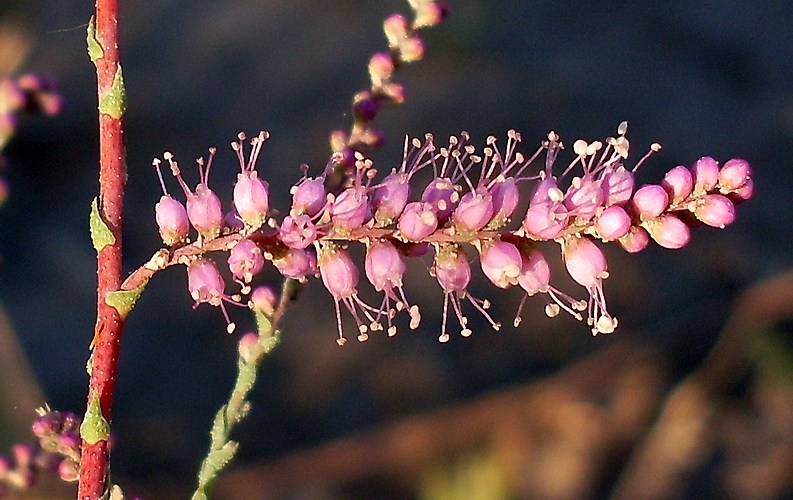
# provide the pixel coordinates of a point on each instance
(94, 427)
(124, 300)
(94, 49)
(101, 236)
(114, 103)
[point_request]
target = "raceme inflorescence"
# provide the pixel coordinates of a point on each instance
(470, 202)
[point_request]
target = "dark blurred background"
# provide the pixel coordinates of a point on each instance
(701, 78)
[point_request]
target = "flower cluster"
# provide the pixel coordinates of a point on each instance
(58, 450)
(23, 94)
(470, 202)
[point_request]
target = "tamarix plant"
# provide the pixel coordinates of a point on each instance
(514, 211)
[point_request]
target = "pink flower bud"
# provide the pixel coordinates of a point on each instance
(309, 197)
(350, 210)
(546, 221)
(297, 232)
(650, 201)
(473, 212)
(535, 273)
(381, 67)
(706, 174)
(172, 221)
(617, 186)
(296, 263)
(207, 285)
(338, 272)
(205, 211)
(69, 470)
(417, 221)
(248, 347)
(635, 240)
(383, 265)
(584, 197)
(501, 262)
(263, 298)
(390, 197)
(743, 193)
(443, 196)
(668, 231)
(411, 49)
(715, 210)
(245, 261)
(452, 269)
(678, 182)
(395, 28)
(585, 262)
(733, 175)
(505, 200)
(613, 223)
(251, 199)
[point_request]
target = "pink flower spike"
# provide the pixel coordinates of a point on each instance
(587, 265)
(417, 221)
(501, 262)
(264, 299)
(245, 261)
(706, 174)
(668, 231)
(205, 284)
(715, 210)
(635, 240)
(650, 201)
(678, 182)
(733, 175)
(613, 223)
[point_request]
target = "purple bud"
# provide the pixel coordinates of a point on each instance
(69, 470)
(613, 223)
(501, 262)
(417, 221)
(172, 221)
(678, 182)
(383, 265)
(251, 199)
(411, 49)
(715, 210)
(205, 211)
(650, 201)
(69, 443)
(473, 212)
(47, 425)
(350, 210)
(706, 174)
(635, 240)
(668, 231)
(309, 197)
(297, 232)
(245, 261)
(364, 107)
(296, 263)
(733, 175)
(444, 197)
(585, 262)
(390, 198)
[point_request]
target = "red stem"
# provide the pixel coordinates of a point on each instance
(94, 463)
